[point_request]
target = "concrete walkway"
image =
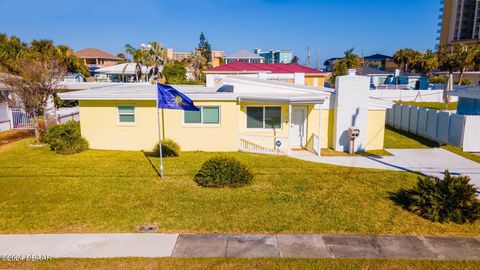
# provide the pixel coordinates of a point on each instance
(426, 161)
(237, 246)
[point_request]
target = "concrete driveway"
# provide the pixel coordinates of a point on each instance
(426, 161)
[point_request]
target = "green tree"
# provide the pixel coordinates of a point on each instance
(11, 49)
(156, 56)
(175, 73)
(406, 58)
(427, 63)
(138, 57)
(295, 60)
(349, 61)
(205, 48)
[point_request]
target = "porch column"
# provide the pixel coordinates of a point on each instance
(319, 150)
(288, 126)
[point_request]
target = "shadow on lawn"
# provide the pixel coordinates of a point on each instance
(419, 139)
(401, 198)
(148, 155)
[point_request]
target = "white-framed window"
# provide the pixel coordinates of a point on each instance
(264, 117)
(208, 115)
(126, 114)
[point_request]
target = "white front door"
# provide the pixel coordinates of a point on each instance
(298, 127)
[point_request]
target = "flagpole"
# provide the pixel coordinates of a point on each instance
(160, 140)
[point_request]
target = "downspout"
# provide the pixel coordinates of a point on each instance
(288, 126)
(319, 150)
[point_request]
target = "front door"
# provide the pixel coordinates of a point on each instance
(298, 127)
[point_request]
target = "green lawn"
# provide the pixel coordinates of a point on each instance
(452, 106)
(397, 139)
(113, 191)
(200, 264)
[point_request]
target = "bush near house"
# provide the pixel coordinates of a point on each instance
(169, 149)
(66, 139)
(223, 172)
(452, 199)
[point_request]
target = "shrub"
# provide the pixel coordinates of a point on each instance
(169, 149)
(439, 79)
(451, 199)
(223, 172)
(66, 139)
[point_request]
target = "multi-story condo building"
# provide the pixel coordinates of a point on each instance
(275, 56)
(460, 22)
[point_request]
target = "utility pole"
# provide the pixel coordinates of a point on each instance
(318, 60)
(308, 57)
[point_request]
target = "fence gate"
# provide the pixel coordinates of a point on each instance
(21, 119)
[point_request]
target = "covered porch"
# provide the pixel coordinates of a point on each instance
(279, 126)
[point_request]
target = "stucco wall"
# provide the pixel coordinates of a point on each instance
(101, 128)
(375, 130)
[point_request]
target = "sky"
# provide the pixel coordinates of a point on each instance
(327, 26)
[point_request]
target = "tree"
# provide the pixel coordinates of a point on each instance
(197, 62)
(294, 60)
(349, 61)
(10, 50)
(406, 58)
(138, 57)
(39, 79)
(123, 58)
(427, 63)
(466, 59)
(156, 56)
(175, 73)
(205, 48)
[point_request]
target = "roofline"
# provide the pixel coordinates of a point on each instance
(263, 71)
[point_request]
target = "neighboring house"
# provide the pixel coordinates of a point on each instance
(95, 58)
(245, 114)
(244, 56)
(381, 79)
(377, 61)
(121, 73)
(217, 58)
(73, 77)
(468, 100)
(290, 73)
(275, 56)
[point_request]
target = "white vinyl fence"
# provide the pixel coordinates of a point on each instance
(4, 117)
(442, 127)
(68, 114)
(410, 95)
(21, 119)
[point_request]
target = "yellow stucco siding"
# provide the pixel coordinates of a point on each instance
(310, 80)
(375, 130)
(99, 124)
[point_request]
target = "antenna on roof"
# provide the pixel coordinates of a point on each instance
(308, 57)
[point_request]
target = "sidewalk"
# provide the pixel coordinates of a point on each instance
(239, 246)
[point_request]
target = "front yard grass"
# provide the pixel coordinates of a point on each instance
(398, 139)
(115, 191)
(214, 263)
(452, 106)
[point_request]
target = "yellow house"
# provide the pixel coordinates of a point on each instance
(244, 114)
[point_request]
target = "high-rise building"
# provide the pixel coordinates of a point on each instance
(460, 22)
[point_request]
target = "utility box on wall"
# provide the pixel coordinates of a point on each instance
(351, 110)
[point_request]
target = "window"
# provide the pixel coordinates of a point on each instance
(264, 117)
(206, 115)
(126, 114)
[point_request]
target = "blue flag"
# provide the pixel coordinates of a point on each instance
(170, 98)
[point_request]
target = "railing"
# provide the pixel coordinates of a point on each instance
(21, 119)
(274, 145)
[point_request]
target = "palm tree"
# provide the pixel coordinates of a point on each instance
(351, 59)
(404, 58)
(138, 57)
(156, 56)
(427, 62)
(197, 61)
(466, 58)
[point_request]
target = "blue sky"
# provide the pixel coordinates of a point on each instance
(330, 26)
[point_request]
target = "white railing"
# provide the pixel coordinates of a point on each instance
(21, 119)
(264, 144)
(316, 144)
